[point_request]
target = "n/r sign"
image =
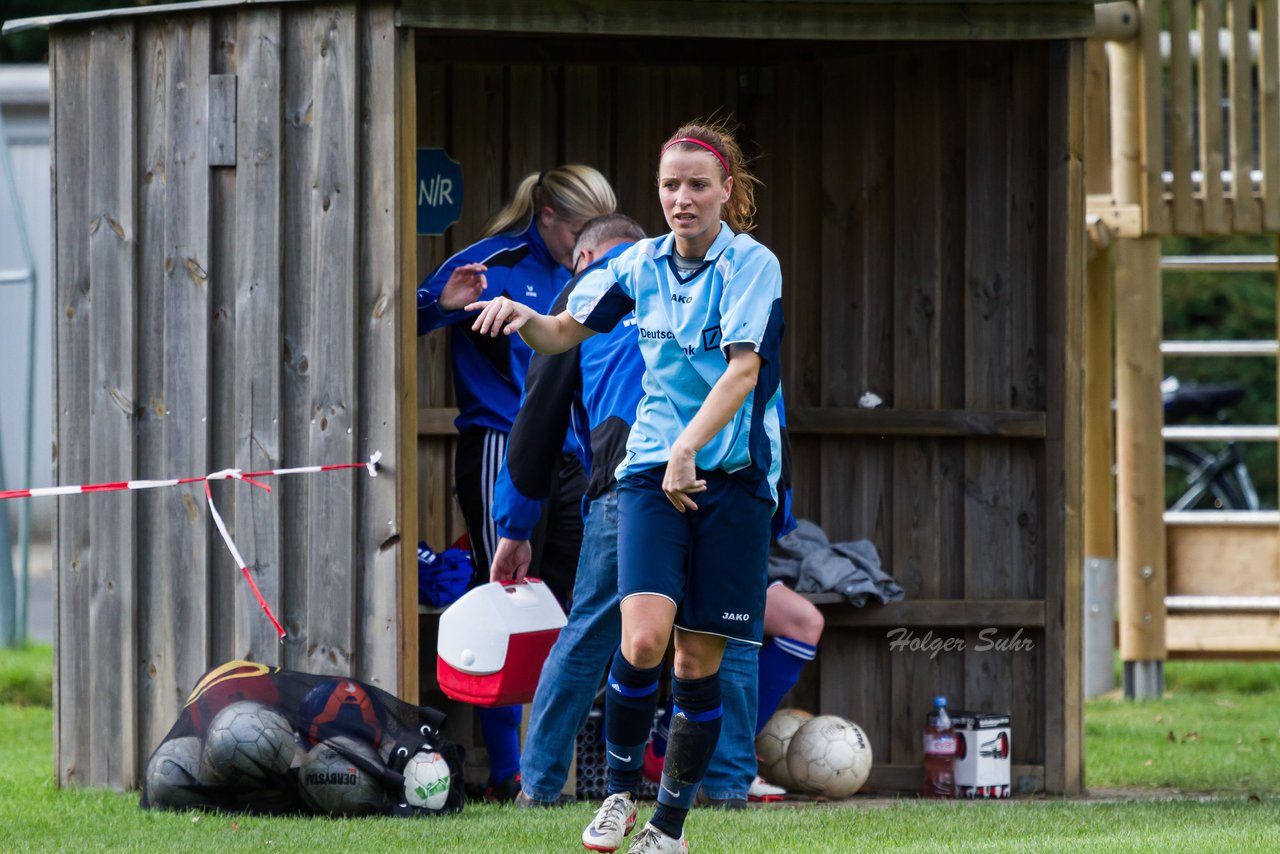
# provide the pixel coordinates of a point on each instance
(439, 191)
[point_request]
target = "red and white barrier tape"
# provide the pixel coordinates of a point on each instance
(226, 474)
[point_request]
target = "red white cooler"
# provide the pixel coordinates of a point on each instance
(493, 641)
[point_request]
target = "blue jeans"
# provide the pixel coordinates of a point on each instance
(575, 667)
(573, 671)
(733, 765)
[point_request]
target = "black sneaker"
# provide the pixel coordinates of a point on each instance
(523, 801)
(504, 792)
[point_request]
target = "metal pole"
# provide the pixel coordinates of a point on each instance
(24, 524)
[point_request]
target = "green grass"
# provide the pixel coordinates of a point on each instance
(1215, 730)
(1230, 706)
(26, 676)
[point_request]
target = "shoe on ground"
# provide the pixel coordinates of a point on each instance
(523, 801)
(650, 840)
(652, 768)
(761, 791)
(504, 792)
(613, 821)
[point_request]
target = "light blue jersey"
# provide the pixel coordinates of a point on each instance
(686, 324)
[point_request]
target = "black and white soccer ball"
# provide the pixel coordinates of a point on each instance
(174, 777)
(333, 784)
(772, 744)
(829, 756)
(249, 743)
(426, 780)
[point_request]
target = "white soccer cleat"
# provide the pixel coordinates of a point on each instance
(613, 821)
(762, 791)
(650, 840)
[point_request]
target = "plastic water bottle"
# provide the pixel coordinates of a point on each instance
(939, 752)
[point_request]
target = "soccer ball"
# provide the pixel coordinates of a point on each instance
(829, 756)
(334, 784)
(426, 780)
(342, 707)
(772, 742)
(173, 776)
(248, 742)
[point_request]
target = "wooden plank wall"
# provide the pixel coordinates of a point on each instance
(923, 261)
(245, 314)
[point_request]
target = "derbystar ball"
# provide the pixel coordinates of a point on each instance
(772, 743)
(829, 756)
(248, 742)
(334, 784)
(175, 777)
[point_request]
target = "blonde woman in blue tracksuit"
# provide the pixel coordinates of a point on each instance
(523, 256)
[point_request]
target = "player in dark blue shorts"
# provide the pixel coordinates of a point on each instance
(697, 486)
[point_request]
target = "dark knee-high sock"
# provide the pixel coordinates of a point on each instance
(781, 661)
(695, 729)
(662, 730)
(629, 702)
(500, 726)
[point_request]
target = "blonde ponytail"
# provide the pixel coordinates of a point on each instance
(575, 192)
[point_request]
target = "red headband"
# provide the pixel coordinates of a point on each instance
(718, 155)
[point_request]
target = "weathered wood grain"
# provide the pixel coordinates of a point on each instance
(329, 297)
(1062, 712)
(113, 235)
(73, 311)
(225, 582)
(1210, 103)
(258, 311)
(222, 120)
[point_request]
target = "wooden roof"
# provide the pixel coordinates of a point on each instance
(784, 19)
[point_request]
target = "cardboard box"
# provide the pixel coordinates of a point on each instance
(983, 763)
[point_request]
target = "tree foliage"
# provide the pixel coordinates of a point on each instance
(1219, 306)
(33, 45)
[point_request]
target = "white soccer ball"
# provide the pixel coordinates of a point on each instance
(829, 756)
(333, 784)
(426, 780)
(772, 743)
(175, 778)
(249, 742)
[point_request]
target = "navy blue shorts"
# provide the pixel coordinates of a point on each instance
(713, 562)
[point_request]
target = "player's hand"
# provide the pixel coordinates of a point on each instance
(500, 315)
(681, 479)
(511, 560)
(465, 285)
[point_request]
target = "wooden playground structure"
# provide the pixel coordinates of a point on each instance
(1182, 138)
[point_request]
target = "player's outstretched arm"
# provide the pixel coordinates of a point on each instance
(549, 334)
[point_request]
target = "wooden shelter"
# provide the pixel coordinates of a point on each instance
(235, 269)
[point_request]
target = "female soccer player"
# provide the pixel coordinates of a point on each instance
(697, 487)
(524, 254)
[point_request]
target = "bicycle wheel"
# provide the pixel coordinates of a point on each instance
(1197, 480)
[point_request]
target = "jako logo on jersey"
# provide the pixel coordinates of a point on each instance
(681, 298)
(711, 338)
(737, 618)
(659, 334)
